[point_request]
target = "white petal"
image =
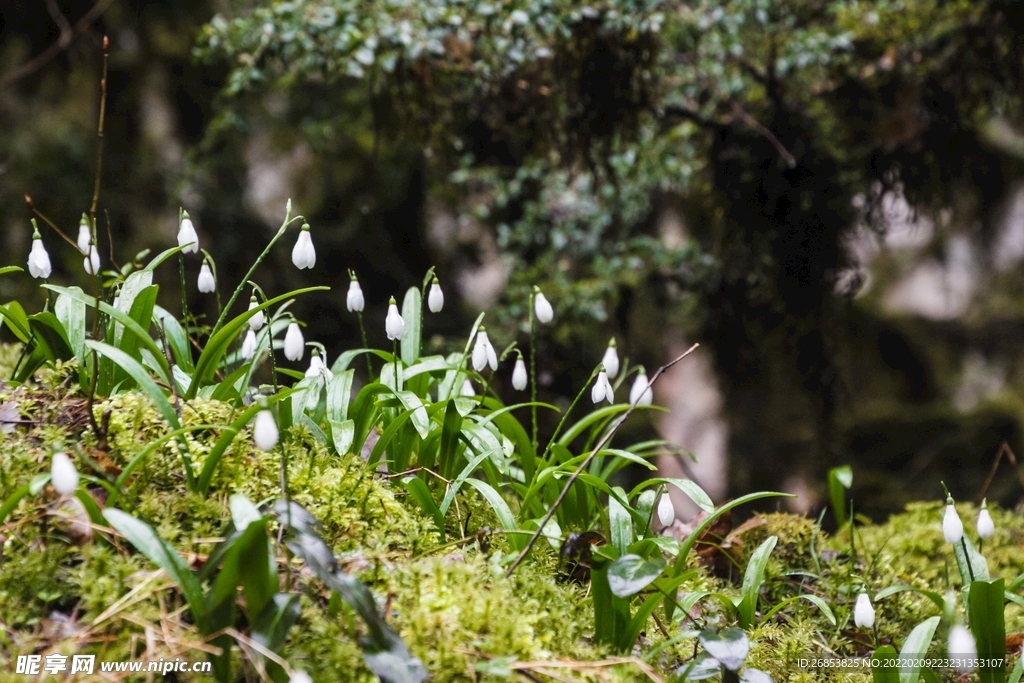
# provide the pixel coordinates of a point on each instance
(479, 356)
(986, 527)
(84, 238)
(952, 527)
(611, 361)
(249, 345)
(316, 365)
(303, 253)
(542, 308)
(492, 357)
(962, 646)
(257, 321)
(63, 474)
(299, 676)
(467, 388)
(435, 299)
(863, 612)
(354, 300)
(187, 237)
(598, 390)
(609, 392)
(394, 325)
(294, 344)
(519, 375)
(639, 394)
(265, 432)
(39, 260)
(666, 511)
(91, 263)
(206, 282)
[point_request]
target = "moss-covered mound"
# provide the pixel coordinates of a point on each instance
(70, 586)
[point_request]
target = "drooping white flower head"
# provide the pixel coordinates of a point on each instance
(541, 306)
(265, 432)
(467, 389)
(258, 320)
(84, 236)
(294, 343)
(63, 474)
(952, 527)
(483, 352)
(354, 300)
(394, 325)
(91, 263)
(303, 253)
(435, 298)
(299, 676)
(611, 359)
(962, 647)
(602, 389)
(666, 511)
(38, 259)
(206, 281)
(249, 345)
(519, 375)
(318, 368)
(187, 236)
(863, 612)
(986, 527)
(640, 394)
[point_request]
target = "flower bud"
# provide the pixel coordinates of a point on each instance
(952, 527)
(303, 253)
(187, 236)
(294, 344)
(519, 375)
(962, 647)
(354, 300)
(258, 320)
(467, 389)
(640, 393)
(84, 236)
(63, 474)
(91, 263)
(483, 352)
(265, 432)
(986, 527)
(394, 325)
(299, 676)
(38, 260)
(602, 389)
(611, 359)
(666, 511)
(863, 612)
(435, 299)
(542, 307)
(206, 282)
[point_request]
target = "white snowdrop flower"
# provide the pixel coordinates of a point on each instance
(519, 375)
(354, 300)
(611, 359)
(187, 236)
(249, 345)
(863, 612)
(299, 676)
(294, 344)
(602, 389)
(520, 17)
(394, 325)
(206, 282)
(38, 259)
(303, 253)
(952, 527)
(986, 527)
(542, 307)
(259, 320)
(962, 647)
(666, 511)
(63, 474)
(265, 431)
(640, 394)
(84, 236)
(483, 352)
(435, 299)
(467, 389)
(316, 365)
(91, 263)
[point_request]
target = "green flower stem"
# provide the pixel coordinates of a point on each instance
(362, 333)
(394, 355)
(967, 556)
(288, 220)
(533, 374)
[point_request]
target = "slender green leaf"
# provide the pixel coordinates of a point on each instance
(620, 524)
(412, 314)
(886, 671)
(915, 647)
(752, 580)
(421, 494)
(985, 616)
(501, 509)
